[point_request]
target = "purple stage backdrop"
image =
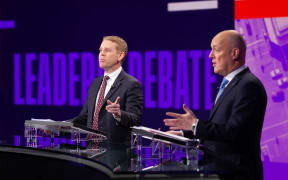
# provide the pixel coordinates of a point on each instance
(50, 55)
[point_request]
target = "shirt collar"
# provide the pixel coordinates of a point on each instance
(114, 74)
(231, 75)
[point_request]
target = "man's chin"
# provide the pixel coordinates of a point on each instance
(102, 66)
(218, 72)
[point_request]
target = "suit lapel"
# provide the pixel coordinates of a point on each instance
(117, 83)
(226, 91)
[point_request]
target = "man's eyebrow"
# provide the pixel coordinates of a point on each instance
(104, 48)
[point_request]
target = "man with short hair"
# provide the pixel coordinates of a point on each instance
(233, 131)
(114, 101)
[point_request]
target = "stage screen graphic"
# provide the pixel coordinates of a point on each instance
(267, 57)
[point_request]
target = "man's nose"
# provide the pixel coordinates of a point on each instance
(211, 54)
(101, 53)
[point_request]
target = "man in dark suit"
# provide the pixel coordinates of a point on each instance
(233, 131)
(114, 101)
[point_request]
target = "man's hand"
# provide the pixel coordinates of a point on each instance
(177, 133)
(114, 107)
(181, 121)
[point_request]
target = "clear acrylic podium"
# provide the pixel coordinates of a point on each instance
(39, 127)
(166, 145)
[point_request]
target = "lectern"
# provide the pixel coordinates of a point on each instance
(164, 143)
(37, 128)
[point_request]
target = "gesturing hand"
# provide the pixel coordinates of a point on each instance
(114, 107)
(181, 121)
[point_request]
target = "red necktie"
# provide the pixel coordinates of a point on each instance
(99, 103)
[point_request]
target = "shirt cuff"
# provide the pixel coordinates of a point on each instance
(194, 126)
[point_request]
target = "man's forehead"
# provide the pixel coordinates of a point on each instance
(215, 42)
(108, 43)
(218, 40)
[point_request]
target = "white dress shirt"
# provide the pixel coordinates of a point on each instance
(112, 77)
(231, 75)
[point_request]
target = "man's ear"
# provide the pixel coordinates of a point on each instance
(121, 57)
(235, 53)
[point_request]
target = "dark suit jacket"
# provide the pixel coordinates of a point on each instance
(131, 105)
(233, 131)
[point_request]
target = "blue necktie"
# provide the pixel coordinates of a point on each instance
(222, 87)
